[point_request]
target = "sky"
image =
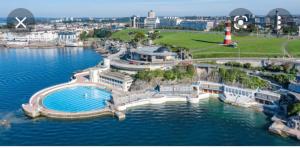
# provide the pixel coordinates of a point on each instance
(125, 8)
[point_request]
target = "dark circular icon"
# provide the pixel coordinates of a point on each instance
(20, 21)
(242, 21)
(278, 19)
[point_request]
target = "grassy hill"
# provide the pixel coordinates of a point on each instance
(293, 48)
(123, 35)
(207, 45)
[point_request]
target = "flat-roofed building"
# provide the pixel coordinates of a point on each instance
(267, 97)
(211, 87)
(197, 25)
(103, 75)
(236, 91)
(176, 89)
(67, 36)
(116, 80)
(169, 22)
(152, 54)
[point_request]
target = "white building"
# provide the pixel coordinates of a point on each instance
(197, 24)
(115, 80)
(151, 14)
(137, 22)
(170, 21)
(42, 36)
(151, 23)
(240, 95)
(67, 36)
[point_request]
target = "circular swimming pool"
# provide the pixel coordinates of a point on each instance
(77, 99)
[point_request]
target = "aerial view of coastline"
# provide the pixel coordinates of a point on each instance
(149, 73)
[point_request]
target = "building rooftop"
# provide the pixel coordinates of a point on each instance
(154, 51)
(116, 75)
(269, 93)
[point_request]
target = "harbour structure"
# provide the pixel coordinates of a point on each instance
(123, 99)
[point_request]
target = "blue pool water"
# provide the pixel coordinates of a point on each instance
(77, 99)
(26, 71)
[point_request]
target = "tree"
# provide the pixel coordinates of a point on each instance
(154, 35)
(83, 35)
(139, 36)
(294, 109)
(169, 75)
(247, 65)
(190, 70)
(102, 33)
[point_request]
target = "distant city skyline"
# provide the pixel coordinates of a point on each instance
(125, 8)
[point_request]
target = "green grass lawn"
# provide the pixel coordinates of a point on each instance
(124, 34)
(293, 48)
(207, 45)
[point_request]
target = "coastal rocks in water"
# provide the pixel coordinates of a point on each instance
(277, 128)
(284, 131)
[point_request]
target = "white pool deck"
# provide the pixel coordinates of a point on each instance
(161, 100)
(35, 108)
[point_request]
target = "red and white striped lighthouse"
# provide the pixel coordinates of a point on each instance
(227, 40)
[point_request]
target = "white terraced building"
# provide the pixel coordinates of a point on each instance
(41, 36)
(115, 80)
(240, 95)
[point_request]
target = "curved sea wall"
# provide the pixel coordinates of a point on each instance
(161, 100)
